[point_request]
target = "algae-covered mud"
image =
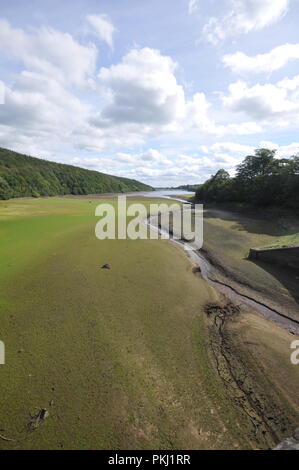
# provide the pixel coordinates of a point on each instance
(103, 359)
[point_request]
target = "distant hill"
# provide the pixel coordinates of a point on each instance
(21, 175)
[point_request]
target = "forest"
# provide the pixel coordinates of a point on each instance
(261, 179)
(23, 176)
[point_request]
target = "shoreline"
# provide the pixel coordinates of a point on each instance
(233, 294)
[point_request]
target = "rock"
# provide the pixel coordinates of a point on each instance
(106, 266)
(292, 443)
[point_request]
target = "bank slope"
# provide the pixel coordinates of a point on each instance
(22, 176)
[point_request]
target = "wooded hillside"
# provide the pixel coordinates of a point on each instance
(21, 175)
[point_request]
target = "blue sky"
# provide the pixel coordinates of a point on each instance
(164, 92)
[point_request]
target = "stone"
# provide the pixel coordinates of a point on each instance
(106, 266)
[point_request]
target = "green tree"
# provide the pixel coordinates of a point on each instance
(260, 164)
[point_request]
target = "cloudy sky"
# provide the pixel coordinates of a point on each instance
(166, 92)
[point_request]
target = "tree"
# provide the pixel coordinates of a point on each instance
(261, 180)
(218, 187)
(221, 175)
(21, 175)
(262, 163)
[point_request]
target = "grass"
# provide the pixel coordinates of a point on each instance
(120, 357)
(186, 197)
(284, 241)
(113, 351)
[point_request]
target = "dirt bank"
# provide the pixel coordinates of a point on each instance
(249, 353)
(228, 237)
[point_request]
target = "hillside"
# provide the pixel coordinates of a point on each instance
(21, 175)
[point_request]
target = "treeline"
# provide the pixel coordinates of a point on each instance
(21, 175)
(189, 187)
(261, 180)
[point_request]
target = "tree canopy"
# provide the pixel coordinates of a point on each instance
(261, 180)
(21, 175)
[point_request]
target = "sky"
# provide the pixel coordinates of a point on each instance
(166, 92)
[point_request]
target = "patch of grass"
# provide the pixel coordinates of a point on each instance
(284, 241)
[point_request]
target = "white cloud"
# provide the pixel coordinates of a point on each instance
(244, 16)
(262, 63)
(243, 128)
(231, 147)
(151, 157)
(51, 52)
(197, 114)
(170, 167)
(180, 168)
(282, 151)
(143, 89)
(227, 155)
(134, 100)
(39, 112)
(275, 103)
(198, 167)
(102, 28)
(145, 100)
(289, 83)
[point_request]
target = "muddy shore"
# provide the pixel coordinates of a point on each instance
(237, 326)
